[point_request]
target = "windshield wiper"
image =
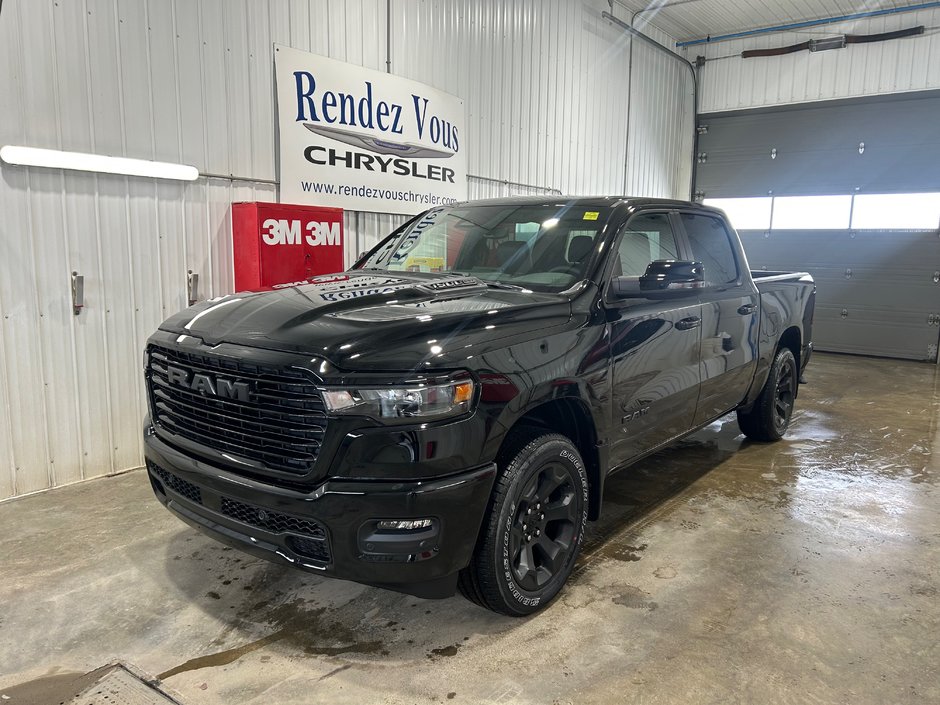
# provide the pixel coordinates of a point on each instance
(501, 285)
(492, 284)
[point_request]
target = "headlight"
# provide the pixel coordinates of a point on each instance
(413, 403)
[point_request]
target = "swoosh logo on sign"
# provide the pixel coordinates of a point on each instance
(373, 144)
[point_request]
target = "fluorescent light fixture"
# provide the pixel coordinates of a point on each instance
(78, 161)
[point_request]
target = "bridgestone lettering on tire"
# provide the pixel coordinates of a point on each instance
(769, 418)
(533, 528)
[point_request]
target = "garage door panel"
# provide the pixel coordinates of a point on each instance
(815, 149)
(908, 251)
(883, 280)
(875, 331)
(871, 290)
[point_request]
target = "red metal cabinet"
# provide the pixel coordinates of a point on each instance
(280, 243)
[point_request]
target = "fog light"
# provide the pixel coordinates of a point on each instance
(404, 524)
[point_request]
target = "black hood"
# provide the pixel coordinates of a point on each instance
(368, 320)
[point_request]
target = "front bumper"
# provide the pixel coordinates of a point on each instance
(332, 529)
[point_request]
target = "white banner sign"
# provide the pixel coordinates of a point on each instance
(364, 140)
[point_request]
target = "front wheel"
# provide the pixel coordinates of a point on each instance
(533, 528)
(769, 417)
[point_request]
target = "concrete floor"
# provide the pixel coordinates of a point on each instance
(723, 571)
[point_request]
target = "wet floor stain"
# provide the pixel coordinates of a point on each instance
(634, 598)
(221, 658)
(306, 630)
(617, 551)
(444, 651)
(332, 673)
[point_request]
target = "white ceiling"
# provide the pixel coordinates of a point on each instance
(697, 19)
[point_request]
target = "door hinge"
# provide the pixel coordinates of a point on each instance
(192, 287)
(78, 293)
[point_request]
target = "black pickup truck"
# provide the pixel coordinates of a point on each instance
(445, 413)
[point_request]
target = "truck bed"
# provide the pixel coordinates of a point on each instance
(762, 276)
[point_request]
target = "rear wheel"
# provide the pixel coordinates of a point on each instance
(533, 528)
(769, 417)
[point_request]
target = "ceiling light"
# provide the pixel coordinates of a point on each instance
(78, 161)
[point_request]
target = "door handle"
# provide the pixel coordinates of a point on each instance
(688, 323)
(747, 309)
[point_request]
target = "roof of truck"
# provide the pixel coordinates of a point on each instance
(599, 201)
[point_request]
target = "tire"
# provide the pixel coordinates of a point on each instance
(769, 417)
(533, 528)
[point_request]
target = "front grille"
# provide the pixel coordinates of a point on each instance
(275, 522)
(280, 426)
(177, 484)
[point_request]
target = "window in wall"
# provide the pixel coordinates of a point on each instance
(647, 238)
(711, 245)
(745, 213)
(811, 212)
(896, 211)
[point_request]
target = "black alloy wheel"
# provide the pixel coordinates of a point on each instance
(533, 529)
(768, 418)
(542, 534)
(785, 395)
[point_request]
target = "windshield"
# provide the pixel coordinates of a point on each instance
(543, 247)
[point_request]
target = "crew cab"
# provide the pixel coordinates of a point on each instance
(445, 413)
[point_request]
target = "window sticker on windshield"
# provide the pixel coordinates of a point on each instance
(591, 215)
(411, 241)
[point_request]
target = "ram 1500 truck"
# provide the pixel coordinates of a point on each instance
(445, 413)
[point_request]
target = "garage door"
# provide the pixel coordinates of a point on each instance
(877, 291)
(849, 191)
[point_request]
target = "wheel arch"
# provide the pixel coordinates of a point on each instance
(570, 417)
(792, 338)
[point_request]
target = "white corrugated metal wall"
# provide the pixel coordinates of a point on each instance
(661, 87)
(545, 84)
(859, 70)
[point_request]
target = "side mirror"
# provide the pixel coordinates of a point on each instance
(664, 279)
